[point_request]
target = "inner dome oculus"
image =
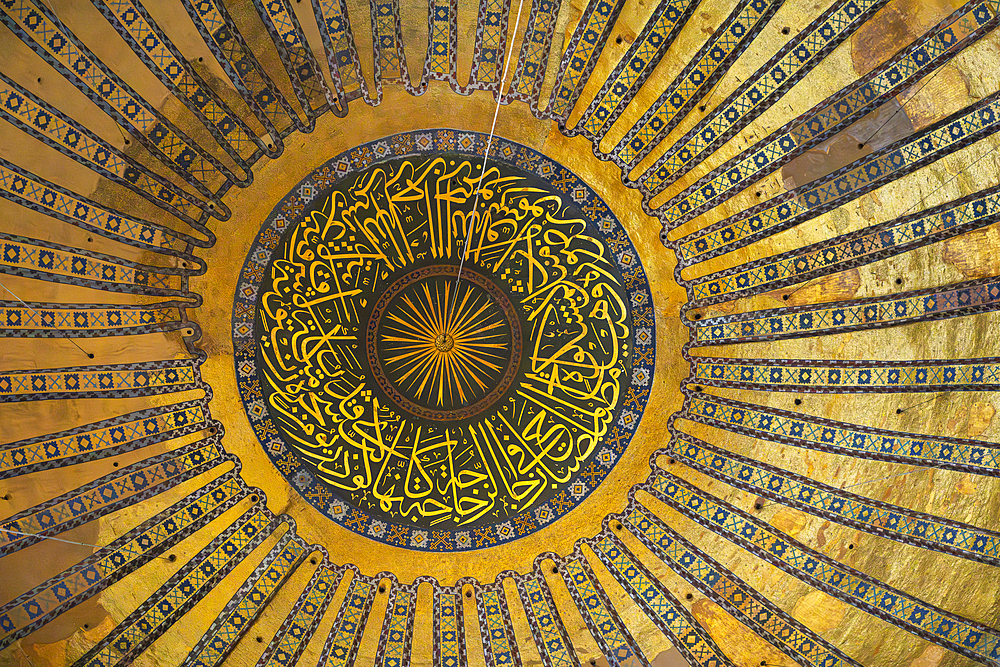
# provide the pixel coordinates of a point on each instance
(428, 405)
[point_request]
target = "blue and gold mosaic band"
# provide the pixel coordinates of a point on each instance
(449, 628)
(668, 19)
(842, 377)
(958, 300)
(104, 439)
(32, 114)
(396, 641)
(112, 492)
(182, 591)
(33, 609)
(554, 645)
(341, 53)
(499, 642)
(871, 516)
(735, 596)
(953, 632)
(757, 421)
(851, 250)
(341, 645)
(489, 53)
(248, 602)
(220, 33)
(163, 59)
(613, 638)
(581, 56)
(792, 62)
(48, 320)
(533, 58)
(62, 264)
(861, 176)
(668, 614)
(303, 71)
(148, 379)
(34, 23)
(441, 61)
(48, 198)
(387, 34)
(958, 31)
(699, 77)
(289, 642)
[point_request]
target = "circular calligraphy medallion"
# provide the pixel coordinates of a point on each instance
(430, 406)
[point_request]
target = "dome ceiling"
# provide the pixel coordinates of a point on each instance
(544, 333)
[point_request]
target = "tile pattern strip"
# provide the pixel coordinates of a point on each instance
(735, 596)
(181, 591)
(805, 203)
(123, 488)
(35, 608)
(248, 603)
(849, 376)
(289, 642)
(106, 438)
(867, 515)
(664, 610)
(799, 430)
(950, 631)
(939, 45)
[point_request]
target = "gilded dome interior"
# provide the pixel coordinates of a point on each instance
(555, 333)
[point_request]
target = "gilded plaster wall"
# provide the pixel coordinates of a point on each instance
(919, 449)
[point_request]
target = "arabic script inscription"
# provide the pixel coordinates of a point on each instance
(426, 398)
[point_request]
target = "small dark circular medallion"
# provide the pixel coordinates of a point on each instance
(444, 346)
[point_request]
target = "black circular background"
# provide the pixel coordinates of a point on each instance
(361, 498)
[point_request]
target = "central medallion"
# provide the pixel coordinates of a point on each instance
(441, 357)
(443, 345)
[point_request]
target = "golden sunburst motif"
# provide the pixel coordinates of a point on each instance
(446, 343)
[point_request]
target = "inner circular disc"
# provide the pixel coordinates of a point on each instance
(444, 344)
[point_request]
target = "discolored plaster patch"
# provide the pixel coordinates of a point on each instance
(976, 254)
(819, 611)
(839, 286)
(929, 657)
(936, 96)
(878, 129)
(741, 645)
(789, 521)
(895, 27)
(821, 538)
(973, 422)
(966, 486)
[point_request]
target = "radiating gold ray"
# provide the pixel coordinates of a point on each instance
(444, 357)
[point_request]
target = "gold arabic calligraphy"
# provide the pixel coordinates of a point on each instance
(481, 410)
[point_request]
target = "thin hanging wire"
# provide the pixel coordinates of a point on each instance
(56, 539)
(882, 479)
(486, 155)
(35, 312)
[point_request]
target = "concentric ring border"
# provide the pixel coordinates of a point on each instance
(601, 219)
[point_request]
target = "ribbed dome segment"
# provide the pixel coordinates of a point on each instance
(497, 333)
